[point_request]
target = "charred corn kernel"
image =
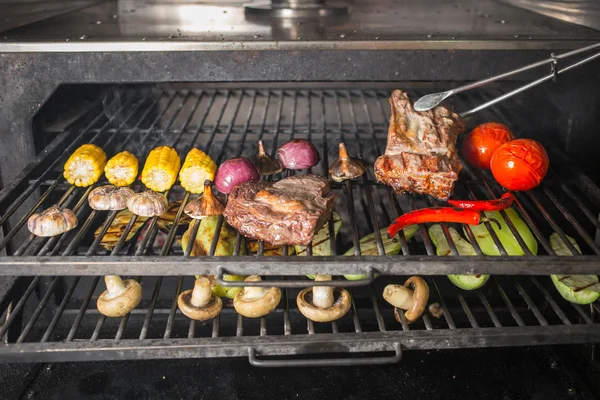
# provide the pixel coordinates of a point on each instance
(197, 168)
(85, 166)
(122, 169)
(161, 168)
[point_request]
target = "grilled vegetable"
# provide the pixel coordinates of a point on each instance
(109, 197)
(85, 166)
(298, 154)
(368, 246)
(120, 296)
(234, 172)
(147, 204)
(165, 220)
(413, 301)
(225, 247)
(122, 169)
(485, 205)
(206, 205)
(508, 240)
(117, 227)
(200, 303)
(434, 214)
(268, 249)
(578, 289)
(321, 245)
(52, 222)
(197, 168)
(161, 168)
(346, 167)
(464, 248)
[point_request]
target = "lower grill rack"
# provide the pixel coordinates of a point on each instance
(61, 323)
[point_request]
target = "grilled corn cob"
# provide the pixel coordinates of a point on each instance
(161, 168)
(197, 168)
(122, 169)
(85, 166)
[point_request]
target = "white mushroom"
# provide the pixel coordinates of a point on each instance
(413, 300)
(200, 303)
(256, 302)
(323, 303)
(120, 296)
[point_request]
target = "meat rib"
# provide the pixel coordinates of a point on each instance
(420, 155)
(290, 211)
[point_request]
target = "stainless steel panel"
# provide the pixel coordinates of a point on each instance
(579, 12)
(132, 25)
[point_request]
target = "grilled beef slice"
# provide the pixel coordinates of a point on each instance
(420, 156)
(290, 211)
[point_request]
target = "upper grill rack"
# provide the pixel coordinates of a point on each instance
(228, 123)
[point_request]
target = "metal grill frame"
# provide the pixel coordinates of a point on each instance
(552, 321)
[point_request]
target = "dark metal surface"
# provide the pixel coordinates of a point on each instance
(228, 123)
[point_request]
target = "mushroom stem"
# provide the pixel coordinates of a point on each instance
(202, 292)
(114, 286)
(254, 292)
(322, 296)
(399, 296)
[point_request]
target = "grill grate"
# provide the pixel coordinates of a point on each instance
(60, 322)
(228, 123)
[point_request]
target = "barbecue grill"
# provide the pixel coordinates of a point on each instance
(274, 79)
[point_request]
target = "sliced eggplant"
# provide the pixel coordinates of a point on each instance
(464, 248)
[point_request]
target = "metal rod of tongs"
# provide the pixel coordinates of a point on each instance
(430, 101)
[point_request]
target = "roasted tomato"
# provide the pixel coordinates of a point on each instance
(520, 164)
(481, 143)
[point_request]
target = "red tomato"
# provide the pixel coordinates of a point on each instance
(520, 164)
(481, 143)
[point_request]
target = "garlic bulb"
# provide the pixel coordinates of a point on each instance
(206, 205)
(109, 197)
(147, 204)
(52, 222)
(346, 167)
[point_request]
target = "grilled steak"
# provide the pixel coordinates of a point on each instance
(420, 156)
(290, 211)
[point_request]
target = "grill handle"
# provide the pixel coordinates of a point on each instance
(294, 283)
(329, 362)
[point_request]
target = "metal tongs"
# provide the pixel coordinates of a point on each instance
(430, 101)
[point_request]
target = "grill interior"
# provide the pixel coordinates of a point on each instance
(52, 312)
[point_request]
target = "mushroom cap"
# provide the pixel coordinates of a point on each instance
(257, 307)
(420, 298)
(122, 304)
(209, 311)
(340, 307)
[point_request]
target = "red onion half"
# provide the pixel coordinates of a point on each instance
(234, 172)
(298, 154)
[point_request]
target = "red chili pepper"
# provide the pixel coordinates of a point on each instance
(437, 214)
(485, 205)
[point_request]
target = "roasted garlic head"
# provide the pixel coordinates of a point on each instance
(109, 197)
(147, 204)
(52, 222)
